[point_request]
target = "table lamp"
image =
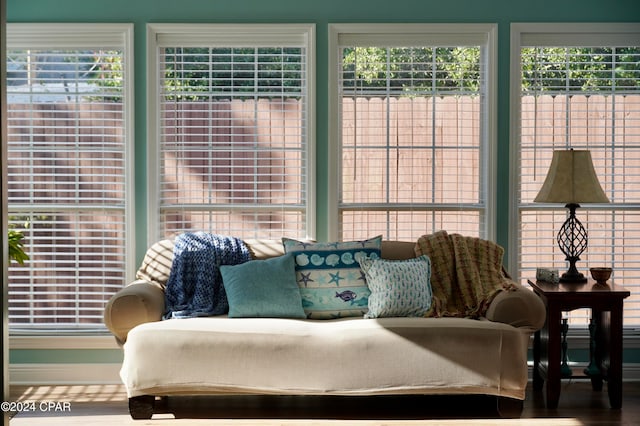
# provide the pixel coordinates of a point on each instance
(571, 180)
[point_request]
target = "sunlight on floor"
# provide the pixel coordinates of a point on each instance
(107, 405)
(75, 393)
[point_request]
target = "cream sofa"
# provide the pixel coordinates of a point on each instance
(347, 356)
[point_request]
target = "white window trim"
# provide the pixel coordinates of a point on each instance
(30, 35)
(425, 34)
(522, 34)
(225, 35)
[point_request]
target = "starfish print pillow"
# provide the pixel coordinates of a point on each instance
(332, 285)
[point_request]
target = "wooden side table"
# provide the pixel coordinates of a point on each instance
(605, 302)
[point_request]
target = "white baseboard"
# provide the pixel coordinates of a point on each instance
(630, 372)
(64, 374)
(108, 374)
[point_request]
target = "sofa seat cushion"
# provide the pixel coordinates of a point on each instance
(348, 356)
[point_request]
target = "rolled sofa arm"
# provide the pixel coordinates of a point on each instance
(520, 308)
(137, 303)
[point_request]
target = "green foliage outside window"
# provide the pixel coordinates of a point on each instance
(16, 247)
(399, 69)
(455, 69)
(203, 73)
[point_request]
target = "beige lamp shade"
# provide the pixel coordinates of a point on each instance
(571, 180)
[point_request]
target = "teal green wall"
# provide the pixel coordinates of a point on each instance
(320, 12)
(65, 356)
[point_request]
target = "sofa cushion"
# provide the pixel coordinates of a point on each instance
(263, 288)
(399, 288)
(329, 276)
(347, 356)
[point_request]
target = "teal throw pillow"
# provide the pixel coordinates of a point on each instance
(329, 276)
(399, 288)
(263, 288)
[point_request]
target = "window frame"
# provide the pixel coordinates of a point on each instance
(225, 35)
(426, 34)
(567, 34)
(80, 36)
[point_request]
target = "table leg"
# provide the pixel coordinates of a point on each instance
(554, 318)
(594, 369)
(538, 381)
(614, 373)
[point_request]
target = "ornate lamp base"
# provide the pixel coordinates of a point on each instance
(573, 277)
(572, 239)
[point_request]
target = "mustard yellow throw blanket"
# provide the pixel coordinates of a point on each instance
(466, 274)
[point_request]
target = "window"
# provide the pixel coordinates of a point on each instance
(232, 134)
(69, 171)
(412, 131)
(579, 87)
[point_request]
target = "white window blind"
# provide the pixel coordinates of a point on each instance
(413, 134)
(233, 131)
(68, 171)
(583, 97)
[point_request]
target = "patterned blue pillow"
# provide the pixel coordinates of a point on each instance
(331, 282)
(399, 288)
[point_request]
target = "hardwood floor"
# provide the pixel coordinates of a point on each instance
(107, 405)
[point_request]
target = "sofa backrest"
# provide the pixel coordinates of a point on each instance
(156, 264)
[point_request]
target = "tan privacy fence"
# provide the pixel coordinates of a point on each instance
(66, 167)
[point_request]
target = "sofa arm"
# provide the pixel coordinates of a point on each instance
(520, 308)
(137, 303)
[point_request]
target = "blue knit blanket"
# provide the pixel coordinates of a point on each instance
(194, 287)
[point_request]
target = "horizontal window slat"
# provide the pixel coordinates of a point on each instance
(405, 225)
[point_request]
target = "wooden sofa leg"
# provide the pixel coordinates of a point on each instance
(141, 407)
(509, 408)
